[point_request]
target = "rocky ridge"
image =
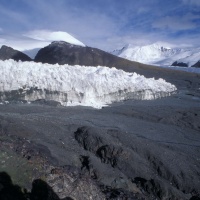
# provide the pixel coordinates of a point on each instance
(10, 53)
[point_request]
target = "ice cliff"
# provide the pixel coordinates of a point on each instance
(76, 85)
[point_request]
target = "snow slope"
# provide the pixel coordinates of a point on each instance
(76, 85)
(192, 58)
(159, 54)
(43, 35)
(146, 54)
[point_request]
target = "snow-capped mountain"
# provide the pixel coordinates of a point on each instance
(191, 59)
(76, 85)
(30, 43)
(159, 54)
(48, 36)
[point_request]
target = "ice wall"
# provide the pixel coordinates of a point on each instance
(76, 85)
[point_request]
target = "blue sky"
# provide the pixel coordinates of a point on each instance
(105, 24)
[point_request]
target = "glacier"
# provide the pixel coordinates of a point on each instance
(76, 85)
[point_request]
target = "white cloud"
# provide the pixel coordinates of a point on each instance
(92, 28)
(48, 36)
(141, 38)
(142, 10)
(2, 40)
(20, 42)
(107, 28)
(176, 23)
(192, 2)
(14, 16)
(36, 39)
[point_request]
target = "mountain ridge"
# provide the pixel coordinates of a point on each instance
(160, 54)
(31, 42)
(62, 52)
(106, 59)
(10, 53)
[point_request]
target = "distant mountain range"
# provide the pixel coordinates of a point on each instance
(62, 48)
(161, 55)
(59, 47)
(62, 52)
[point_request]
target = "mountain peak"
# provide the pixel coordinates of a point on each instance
(158, 45)
(44, 35)
(159, 53)
(63, 43)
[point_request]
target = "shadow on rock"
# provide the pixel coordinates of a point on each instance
(40, 190)
(8, 191)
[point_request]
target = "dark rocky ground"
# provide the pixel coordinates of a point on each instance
(129, 150)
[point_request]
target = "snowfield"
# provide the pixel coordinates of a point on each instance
(76, 85)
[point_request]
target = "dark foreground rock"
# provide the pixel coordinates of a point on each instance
(27, 162)
(130, 150)
(142, 170)
(7, 53)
